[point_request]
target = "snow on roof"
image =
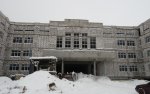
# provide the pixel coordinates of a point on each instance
(45, 57)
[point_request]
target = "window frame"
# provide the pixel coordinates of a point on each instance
(15, 53)
(122, 55)
(17, 39)
(123, 68)
(121, 42)
(13, 67)
(28, 40)
(130, 43)
(27, 53)
(25, 67)
(59, 42)
(93, 42)
(131, 55)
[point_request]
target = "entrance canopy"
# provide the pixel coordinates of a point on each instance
(43, 58)
(43, 63)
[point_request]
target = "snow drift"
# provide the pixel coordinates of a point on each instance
(38, 83)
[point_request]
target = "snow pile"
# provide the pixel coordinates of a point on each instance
(38, 83)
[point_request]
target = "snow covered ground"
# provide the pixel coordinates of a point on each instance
(37, 83)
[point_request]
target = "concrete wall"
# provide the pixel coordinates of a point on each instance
(106, 51)
(4, 24)
(145, 46)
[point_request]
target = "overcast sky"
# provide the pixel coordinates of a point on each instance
(109, 12)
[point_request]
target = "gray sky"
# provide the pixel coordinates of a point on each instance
(109, 12)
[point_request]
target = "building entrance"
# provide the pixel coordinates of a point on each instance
(75, 66)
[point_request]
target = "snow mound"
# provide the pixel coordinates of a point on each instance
(38, 83)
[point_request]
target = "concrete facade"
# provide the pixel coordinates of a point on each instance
(114, 51)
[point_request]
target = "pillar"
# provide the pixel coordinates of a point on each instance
(62, 67)
(94, 68)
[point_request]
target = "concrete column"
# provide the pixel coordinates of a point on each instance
(62, 67)
(63, 42)
(88, 42)
(94, 68)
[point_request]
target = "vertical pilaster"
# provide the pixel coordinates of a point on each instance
(94, 64)
(62, 67)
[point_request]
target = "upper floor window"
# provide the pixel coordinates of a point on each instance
(121, 55)
(28, 40)
(123, 68)
(76, 34)
(130, 43)
(59, 42)
(16, 53)
(121, 42)
(147, 39)
(84, 34)
(76, 42)
(27, 53)
(131, 55)
(68, 42)
(93, 42)
(17, 40)
(84, 42)
(14, 67)
(68, 34)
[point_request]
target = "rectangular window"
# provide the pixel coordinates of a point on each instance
(16, 53)
(93, 42)
(25, 67)
(84, 34)
(76, 42)
(131, 55)
(17, 40)
(68, 34)
(121, 55)
(123, 68)
(28, 40)
(84, 42)
(121, 42)
(133, 68)
(14, 67)
(147, 39)
(68, 42)
(148, 53)
(27, 53)
(59, 42)
(130, 43)
(76, 34)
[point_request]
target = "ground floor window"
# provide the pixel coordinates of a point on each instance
(130, 68)
(25, 67)
(14, 67)
(133, 68)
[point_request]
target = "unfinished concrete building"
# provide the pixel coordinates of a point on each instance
(81, 46)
